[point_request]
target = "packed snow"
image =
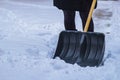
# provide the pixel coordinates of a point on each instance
(29, 32)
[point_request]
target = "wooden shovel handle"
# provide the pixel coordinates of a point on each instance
(90, 16)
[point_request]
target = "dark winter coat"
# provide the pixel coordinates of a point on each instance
(76, 5)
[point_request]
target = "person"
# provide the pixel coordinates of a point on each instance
(69, 7)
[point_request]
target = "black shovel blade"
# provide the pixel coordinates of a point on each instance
(83, 48)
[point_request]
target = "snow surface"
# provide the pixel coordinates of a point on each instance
(28, 37)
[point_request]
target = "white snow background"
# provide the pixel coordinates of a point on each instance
(29, 31)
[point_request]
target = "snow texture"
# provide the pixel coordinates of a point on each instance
(29, 32)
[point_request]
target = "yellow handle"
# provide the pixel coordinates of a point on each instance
(90, 16)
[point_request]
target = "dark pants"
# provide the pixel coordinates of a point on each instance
(69, 20)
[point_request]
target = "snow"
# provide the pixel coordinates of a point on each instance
(28, 37)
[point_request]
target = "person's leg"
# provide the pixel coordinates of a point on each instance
(69, 20)
(84, 16)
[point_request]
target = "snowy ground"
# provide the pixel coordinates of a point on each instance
(28, 38)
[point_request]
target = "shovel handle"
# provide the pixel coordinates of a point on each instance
(90, 16)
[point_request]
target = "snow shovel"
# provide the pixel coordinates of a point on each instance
(84, 48)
